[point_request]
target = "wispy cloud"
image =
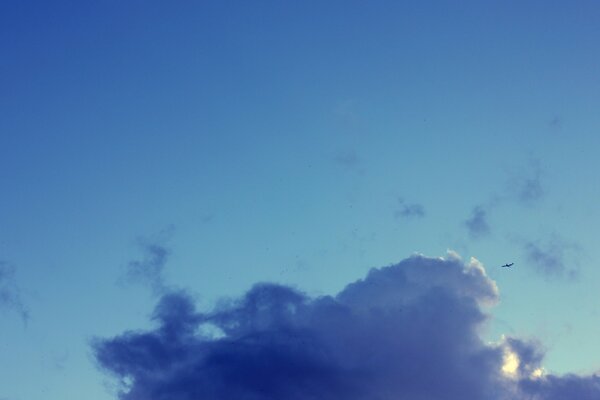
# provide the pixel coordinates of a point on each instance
(477, 224)
(552, 258)
(409, 330)
(556, 122)
(526, 185)
(349, 159)
(10, 294)
(149, 269)
(409, 210)
(523, 187)
(207, 218)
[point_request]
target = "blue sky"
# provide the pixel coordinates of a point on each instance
(289, 142)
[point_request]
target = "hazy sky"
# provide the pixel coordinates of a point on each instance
(148, 147)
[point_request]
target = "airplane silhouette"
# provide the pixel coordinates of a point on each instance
(507, 265)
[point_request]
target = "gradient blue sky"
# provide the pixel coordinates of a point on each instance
(274, 141)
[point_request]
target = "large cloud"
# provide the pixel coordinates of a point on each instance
(407, 331)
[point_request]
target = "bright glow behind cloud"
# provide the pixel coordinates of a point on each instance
(511, 362)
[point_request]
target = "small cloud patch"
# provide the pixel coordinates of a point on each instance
(409, 210)
(477, 224)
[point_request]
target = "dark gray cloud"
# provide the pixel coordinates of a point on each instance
(477, 224)
(553, 258)
(409, 210)
(407, 331)
(10, 295)
(149, 269)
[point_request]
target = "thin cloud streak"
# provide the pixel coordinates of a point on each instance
(10, 294)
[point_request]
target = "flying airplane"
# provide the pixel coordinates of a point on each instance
(507, 265)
